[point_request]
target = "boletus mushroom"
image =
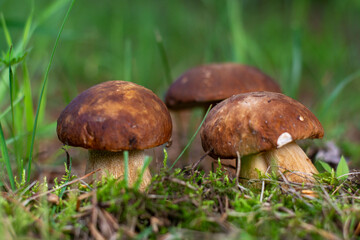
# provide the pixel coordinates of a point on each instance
(112, 117)
(212, 83)
(209, 84)
(262, 128)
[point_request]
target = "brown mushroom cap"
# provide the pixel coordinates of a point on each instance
(253, 122)
(115, 116)
(213, 83)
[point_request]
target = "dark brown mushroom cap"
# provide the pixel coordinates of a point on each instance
(253, 122)
(115, 116)
(213, 83)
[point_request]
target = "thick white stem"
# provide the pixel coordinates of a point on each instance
(113, 163)
(251, 165)
(293, 162)
(289, 159)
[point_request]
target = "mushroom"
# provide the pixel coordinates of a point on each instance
(262, 128)
(212, 83)
(113, 117)
(209, 84)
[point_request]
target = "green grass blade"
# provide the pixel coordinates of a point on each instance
(128, 61)
(27, 29)
(339, 88)
(28, 105)
(239, 38)
(5, 155)
(296, 68)
(50, 11)
(11, 86)
(44, 130)
(16, 120)
(43, 89)
(6, 30)
(8, 109)
(42, 109)
(147, 161)
(192, 138)
(164, 58)
(126, 167)
(28, 102)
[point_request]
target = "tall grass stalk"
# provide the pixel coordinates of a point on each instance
(8, 109)
(5, 156)
(128, 61)
(164, 57)
(6, 31)
(13, 128)
(43, 89)
(192, 138)
(239, 38)
(126, 167)
(326, 106)
(296, 67)
(146, 164)
(28, 105)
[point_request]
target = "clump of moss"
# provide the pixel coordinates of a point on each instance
(183, 204)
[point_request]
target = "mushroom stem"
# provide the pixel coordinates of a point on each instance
(292, 158)
(113, 163)
(250, 163)
(289, 158)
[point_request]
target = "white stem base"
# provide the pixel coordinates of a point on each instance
(292, 158)
(289, 159)
(113, 163)
(251, 165)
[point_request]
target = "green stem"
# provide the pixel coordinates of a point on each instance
(43, 89)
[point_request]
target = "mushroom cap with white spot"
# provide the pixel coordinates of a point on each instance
(115, 116)
(215, 82)
(254, 122)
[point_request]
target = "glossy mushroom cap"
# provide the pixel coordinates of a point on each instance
(115, 116)
(254, 122)
(213, 83)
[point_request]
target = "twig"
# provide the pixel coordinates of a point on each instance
(357, 230)
(111, 220)
(95, 233)
(94, 210)
(87, 185)
(24, 203)
(241, 187)
(346, 228)
(238, 167)
(262, 191)
(328, 199)
(337, 189)
(199, 161)
(323, 233)
(348, 174)
(178, 181)
(220, 205)
(28, 187)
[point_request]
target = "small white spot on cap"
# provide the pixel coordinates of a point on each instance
(184, 80)
(283, 139)
(207, 74)
(301, 118)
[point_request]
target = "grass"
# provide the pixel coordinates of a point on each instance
(311, 49)
(184, 204)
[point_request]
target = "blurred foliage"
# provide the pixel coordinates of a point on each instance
(310, 47)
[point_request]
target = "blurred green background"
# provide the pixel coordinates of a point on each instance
(310, 47)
